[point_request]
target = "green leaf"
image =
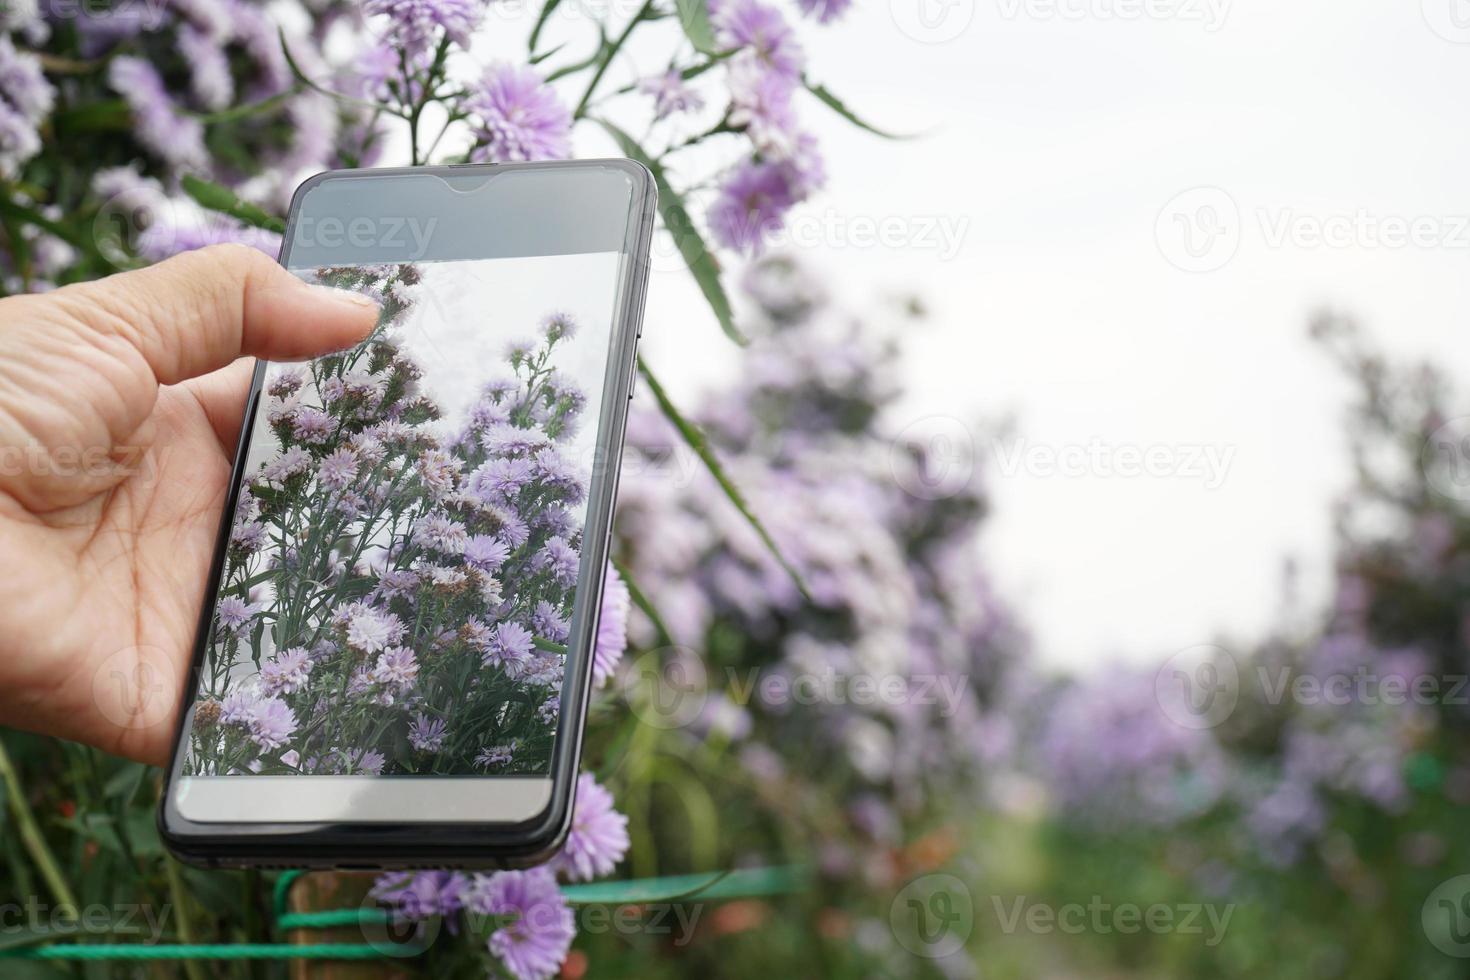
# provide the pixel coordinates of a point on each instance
(839, 107)
(694, 17)
(694, 436)
(740, 883)
(216, 198)
(546, 12)
(697, 256)
(641, 600)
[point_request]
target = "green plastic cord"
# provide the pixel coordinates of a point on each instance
(716, 886)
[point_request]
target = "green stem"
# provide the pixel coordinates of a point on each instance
(30, 835)
(180, 896)
(611, 53)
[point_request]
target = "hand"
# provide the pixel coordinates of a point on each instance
(120, 406)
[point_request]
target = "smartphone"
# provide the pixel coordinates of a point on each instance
(394, 654)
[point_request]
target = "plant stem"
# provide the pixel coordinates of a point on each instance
(611, 53)
(30, 835)
(180, 897)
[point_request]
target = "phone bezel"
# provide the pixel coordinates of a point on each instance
(374, 846)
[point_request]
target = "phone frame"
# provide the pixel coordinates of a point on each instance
(382, 845)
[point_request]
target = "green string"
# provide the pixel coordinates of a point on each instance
(741, 883)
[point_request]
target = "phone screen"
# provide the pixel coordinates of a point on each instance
(398, 599)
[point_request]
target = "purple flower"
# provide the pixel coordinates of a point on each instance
(209, 68)
(271, 723)
(177, 139)
(337, 469)
(550, 623)
(291, 462)
(517, 116)
(371, 630)
(312, 425)
(510, 647)
(761, 104)
(238, 707)
(495, 756)
(763, 31)
(485, 552)
(752, 204)
(534, 944)
(397, 667)
(612, 627)
(671, 94)
(287, 672)
(19, 140)
(438, 532)
(427, 734)
(234, 614)
(825, 11)
(417, 895)
(558, 559)
(497, 479)
(414, 25)
(599, 835)
(248, 536)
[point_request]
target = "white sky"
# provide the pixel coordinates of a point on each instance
(1057, 134)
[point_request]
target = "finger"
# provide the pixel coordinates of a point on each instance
(221, 395)
(198, 311)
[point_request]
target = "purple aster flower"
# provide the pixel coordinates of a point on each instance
(312, 425)
(238, 707)
(290, 463)
(438, 532)
(248, 536)
(761, 104)
(550, 623)
(599, 835)
(287, 672)
(177, 139)
(533, 945)
(427, 734)
(558, 326)
(558, 559)
(550, 710)
(762, 30)
(23, 83)
(414, 25)
(509, 527)
(513, 440)
(234, 614)
(752, 204)
(271, 723)
(372, 631)
(485, 552)
(396, 667)
(495, 756)
(612, 627)
(517, 116)
(555, 470)
(671, 94)
(510, 647)
(337, 469)
(825, 11)
(19, 140)
(500, 478)
(417, 895)
(209, 68)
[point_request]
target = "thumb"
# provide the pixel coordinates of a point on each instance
(198, 311)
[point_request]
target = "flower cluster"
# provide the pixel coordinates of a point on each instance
(521, 916)
(365, 623)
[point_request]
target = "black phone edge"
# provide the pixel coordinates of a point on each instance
(387, 846)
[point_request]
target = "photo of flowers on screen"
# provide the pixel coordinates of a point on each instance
(400, 576)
